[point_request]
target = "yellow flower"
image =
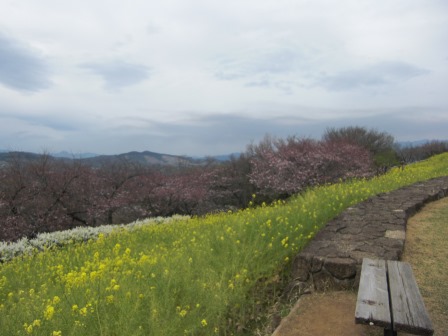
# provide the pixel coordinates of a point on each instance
(116, 249)
(204, 322)
(36, 323)
(56, 300)
(49, 312)
(110, 299)
(83, 311)
(94, 275)
(57, 333)
(75, 308)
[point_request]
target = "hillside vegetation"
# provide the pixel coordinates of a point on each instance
(39, 193)
(200, 276)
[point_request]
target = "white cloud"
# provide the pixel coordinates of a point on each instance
(172, 66)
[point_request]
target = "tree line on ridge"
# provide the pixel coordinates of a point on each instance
(46, 194)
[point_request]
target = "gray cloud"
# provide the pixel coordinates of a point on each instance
(19, 121)
(373, 75)
(227, 133)
(200, 135)
(211, 134)
(118, 74)
(21, 68)
(263, 68)
(258, 63)
(245, 58)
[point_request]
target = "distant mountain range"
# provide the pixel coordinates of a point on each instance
(145, 158)
(407, 144)
(68, 155)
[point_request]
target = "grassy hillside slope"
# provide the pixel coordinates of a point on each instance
(187, 277)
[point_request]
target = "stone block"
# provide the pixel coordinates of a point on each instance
(301, 267)
(317, 264)
(341, 268)
(396, 234)
(324, 281)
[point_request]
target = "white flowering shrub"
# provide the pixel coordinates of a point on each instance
(9, 250)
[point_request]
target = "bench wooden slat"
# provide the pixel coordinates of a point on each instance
(409, 313)
(373, 299)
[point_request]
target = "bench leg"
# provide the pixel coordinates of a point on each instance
(388, 332)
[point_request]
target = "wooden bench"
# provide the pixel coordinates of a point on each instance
(389, 297)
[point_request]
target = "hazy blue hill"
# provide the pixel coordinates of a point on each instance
(417, 143)
(226, 157)
(406, 144)
(68, 155)
(6, 157)
(145, 158)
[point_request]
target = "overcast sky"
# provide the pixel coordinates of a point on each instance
(206, 77)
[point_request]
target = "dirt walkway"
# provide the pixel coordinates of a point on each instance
(332, 313)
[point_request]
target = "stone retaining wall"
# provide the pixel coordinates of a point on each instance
(375, 228)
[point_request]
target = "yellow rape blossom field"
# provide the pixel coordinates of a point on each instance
(198, 276)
